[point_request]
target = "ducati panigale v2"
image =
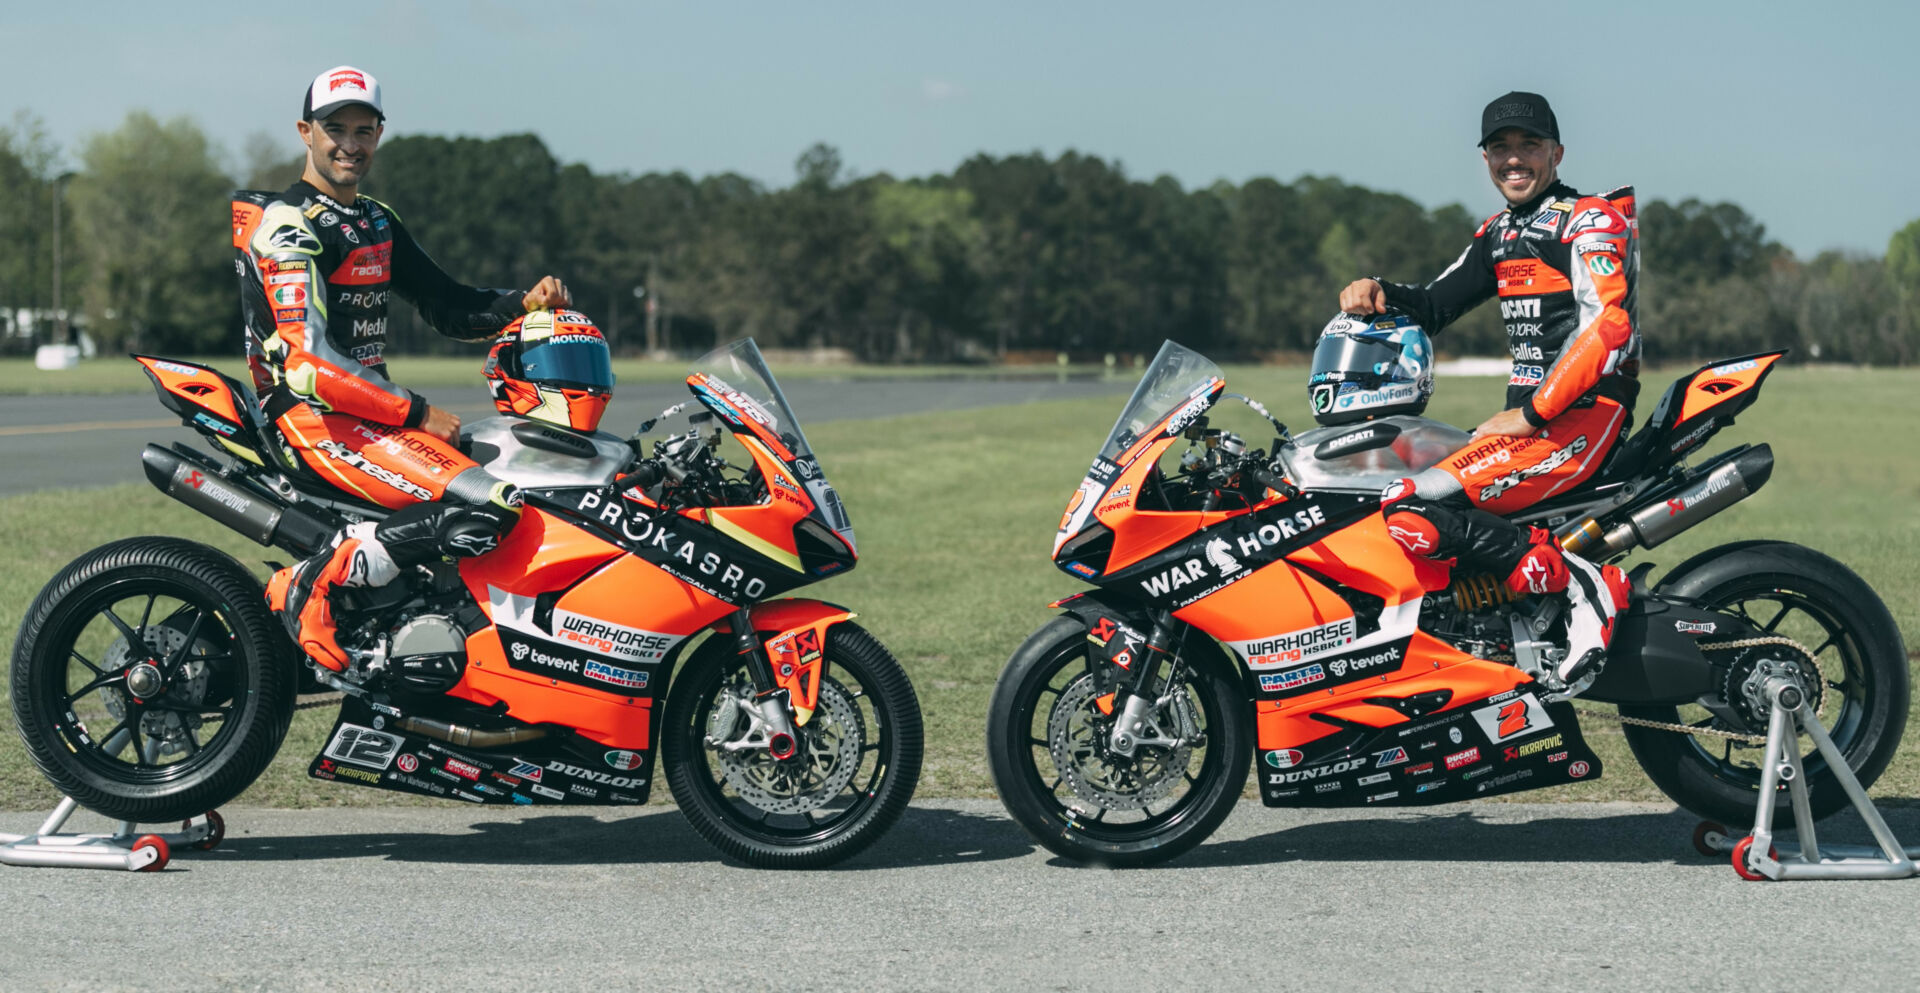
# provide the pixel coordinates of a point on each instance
(1122, 731)
(151, 683)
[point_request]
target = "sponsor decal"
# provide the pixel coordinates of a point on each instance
(1587, 248)
(1520, 307)
(1733, 367)
(1434, 785)
(1528, 352)
(585, 791)
(1557, 757)
(1515, 752)
(1472, 773)
(1377, 797)
(1419, 770)
(1695, 627)
(465, 770)
(1325, 787)
(1220, 556)
(407, 763)
(1398, 393)
(290, 295)
(345, 78)
(1692, 498)
(1191, 411)
(1554, 461)
(624, 760)
(479, 787)
(1361, 663)
(1524, 714)
(361, 775)
(1579, 770)
(1454, 735)
(687, 559)
(417, 783)
(1392, 756)
(1458, 759)
(1321, 396)
(1602, 265)
(1274, 681)
(347, 229)
(293, 238)
(1502, 780)
(444, 774)
(632, 679)
(342, 453)
(373, 327)
(470, 798)
(517, 798)
(363, 746)
(1594, 220)
(527, 771)
(594, 776)
(176, 368)
(1527, 375)
(1296, 646)
(1379, 777)
(1285, 758)
(370, 355)
(1082, 570)
(1692, 437)
(615, 640)
(1317, 772)
(361, 299)
(543, 791)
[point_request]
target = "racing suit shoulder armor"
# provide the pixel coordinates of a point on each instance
(283, 229)
(1594, 215)
(1484, 225)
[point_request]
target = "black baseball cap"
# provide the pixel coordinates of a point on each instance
(1526, 111)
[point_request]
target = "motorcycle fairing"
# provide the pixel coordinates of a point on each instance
(207, 401)
(1227, 548)
(795, 634)
(1508, 742)
(1693, 409)
(365, 750)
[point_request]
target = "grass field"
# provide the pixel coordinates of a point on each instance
(955, 514)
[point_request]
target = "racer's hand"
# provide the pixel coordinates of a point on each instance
(1363, 296)
(547, 294)
(443, 424)
(1506, 424)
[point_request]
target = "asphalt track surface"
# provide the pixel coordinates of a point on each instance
(64, 440)
(1484, 896)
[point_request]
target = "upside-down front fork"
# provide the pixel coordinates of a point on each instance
(1137, 722)
(772, 721)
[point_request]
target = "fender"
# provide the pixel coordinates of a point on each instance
(1116, 628)
(795, 632)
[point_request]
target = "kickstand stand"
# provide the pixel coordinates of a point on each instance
(123, 849)
(1758, 857)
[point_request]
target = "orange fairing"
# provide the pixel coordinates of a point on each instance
(797, 651)
(197, 385)
(739, 410)
(1294, 722)
(1138, 534)
(1710, 387)
(767, 527)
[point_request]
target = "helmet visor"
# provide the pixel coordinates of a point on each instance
(1348, 357)
(576, 360)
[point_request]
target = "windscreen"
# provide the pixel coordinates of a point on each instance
(1177, 377)
(739, 379)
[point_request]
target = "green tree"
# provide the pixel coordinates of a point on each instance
(150, 220)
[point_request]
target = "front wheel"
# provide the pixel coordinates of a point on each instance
(848, 779)
(149, 680)
(1860, 691)
(1047, 741)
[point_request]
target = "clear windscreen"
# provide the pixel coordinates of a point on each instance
(739, 380)
(1177, 377)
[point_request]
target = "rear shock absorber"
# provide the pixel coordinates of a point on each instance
(1471, 593)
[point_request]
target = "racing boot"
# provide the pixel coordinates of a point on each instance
(1595, 596)
(299, 593)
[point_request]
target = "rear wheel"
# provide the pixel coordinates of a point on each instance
(1861, 687)
(1047, 741)
(148, 680)
(846, 780)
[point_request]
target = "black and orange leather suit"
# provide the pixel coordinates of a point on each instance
(1563, 267)
(316, 276)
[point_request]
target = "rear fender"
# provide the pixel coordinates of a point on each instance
(208, 402)
(794, 632)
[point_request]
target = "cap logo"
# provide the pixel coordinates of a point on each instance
(340, 79)
(1506, 110)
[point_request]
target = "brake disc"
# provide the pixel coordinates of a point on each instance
(828, 757)
(166, 730)
(1077, 740)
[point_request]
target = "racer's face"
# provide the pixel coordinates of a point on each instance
(1522, 163)
(340, 148)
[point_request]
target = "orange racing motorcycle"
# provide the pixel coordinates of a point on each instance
(1250, 605)
(150, 683)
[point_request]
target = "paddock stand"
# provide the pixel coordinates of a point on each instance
(121, 850)
(1757, 857)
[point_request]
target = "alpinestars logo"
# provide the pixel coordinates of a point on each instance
(342, 453)
(1411, 540)
(1493, 490)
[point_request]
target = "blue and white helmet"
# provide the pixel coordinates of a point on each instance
(1366, 367)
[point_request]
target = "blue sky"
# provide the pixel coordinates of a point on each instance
(1801, 113)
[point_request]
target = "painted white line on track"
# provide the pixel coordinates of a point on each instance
(88, 426)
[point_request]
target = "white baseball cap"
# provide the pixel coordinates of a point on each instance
(338, 87)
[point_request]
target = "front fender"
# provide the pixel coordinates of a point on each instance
(794, 632)
(1116, 629)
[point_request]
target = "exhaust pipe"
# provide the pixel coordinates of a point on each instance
(1723, 486)
(206, 491)
(466, 737)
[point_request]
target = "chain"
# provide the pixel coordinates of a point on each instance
(308, 701)
(1819, 701)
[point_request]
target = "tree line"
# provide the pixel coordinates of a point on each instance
(1010, 256)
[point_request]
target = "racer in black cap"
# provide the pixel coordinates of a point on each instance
(1563, 266)
(318, 262)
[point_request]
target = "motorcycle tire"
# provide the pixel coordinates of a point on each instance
(1051, 662)
(1863, 663)
(734, 800)
(160, 721)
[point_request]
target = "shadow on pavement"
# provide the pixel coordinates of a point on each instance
(659, 835)
(1466, 836)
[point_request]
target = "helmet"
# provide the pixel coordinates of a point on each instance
(552, 366)
(1370, 367)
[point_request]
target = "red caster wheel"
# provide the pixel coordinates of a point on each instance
(216, 830)
(155, 844)
(1700, 832)
(1740, 859)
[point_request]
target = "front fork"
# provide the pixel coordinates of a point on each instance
(771, 722)
(1136, 725)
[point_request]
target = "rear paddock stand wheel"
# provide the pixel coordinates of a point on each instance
(157, 846)
(1740, 865)
(216, 831)
(1702, 838)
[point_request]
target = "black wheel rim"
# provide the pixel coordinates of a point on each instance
(144, 681)
(1848, 683)
(843, 673)
(1033, 758)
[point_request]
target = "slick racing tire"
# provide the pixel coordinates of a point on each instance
(1823, 606)
(150, 682)
(1106, 809)
(849, 777)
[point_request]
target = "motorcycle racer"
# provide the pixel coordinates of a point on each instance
(1564, 267)
(316, 274)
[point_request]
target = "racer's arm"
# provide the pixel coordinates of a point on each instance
(453, 308)
(1597, 268)
(1463, 286)
(306, 359)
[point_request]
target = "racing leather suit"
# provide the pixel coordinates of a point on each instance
(316, 275)
(1564, 268)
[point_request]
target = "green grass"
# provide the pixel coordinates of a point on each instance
(955, 513)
